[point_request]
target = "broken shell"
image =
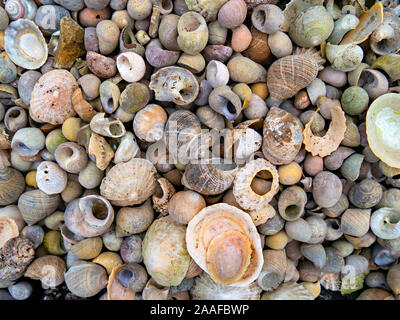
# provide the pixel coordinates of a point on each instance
(242, 69)
(291, 203)
(127, 149)
(106, 127)
(48, 269)
(232, 14)
(390, 64)
(167, 234)
(366, 194)
(374, 82)
(84, 109)
(71, 157)
(131, 221)
(129, 43)
(344, 57)
(324, 146)
(99, 150)
(282, 136)
(25, 44)
(164, 192)
(50, 178)
(36, 205)
(101, 66)
(192, 33)
(342, 26)
(51, 100)
(109, 96)
(385, 223)
(225, 223)
(267, 18)
(86, 279)
(312, 27)
(158, 57)
(327, 189)
(286, 85)
(224, 101)
(89, 216)
(133, 190)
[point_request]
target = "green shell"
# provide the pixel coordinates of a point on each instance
(390, 63)
(207, 8)
(352, 284)
(164, 252)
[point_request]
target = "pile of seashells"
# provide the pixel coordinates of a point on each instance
(200, 149)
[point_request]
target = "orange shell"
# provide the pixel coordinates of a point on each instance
(244, 194)
(129, 183)
(228, 256)
(51, 100)
(258, 49)
(115, 291)
(324, 146)
(83, 108)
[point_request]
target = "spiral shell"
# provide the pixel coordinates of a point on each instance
(36, 205)
(8, 230)
(385, 223)
(48, 269)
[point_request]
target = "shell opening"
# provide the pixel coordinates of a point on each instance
(392, 219)
(65, 153)
(260, 17)
(108, 104)
(124, 276)
(292, 211)
(99, 209)
(31, 46)
(115, 129)
(228, 108)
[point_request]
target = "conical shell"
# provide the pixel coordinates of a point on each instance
(129, 183)
(51, 100)
(12, 184)
(35, 205)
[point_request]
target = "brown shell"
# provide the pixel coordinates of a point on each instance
(129, 183)
(101, 150)
(48, 269)
(245, 196)
(116, 291)
(258, 49)
(164, 192)
(282, 136)
(290, 74)
(12, 184)
(83, 108)
(8, 230)
(324, 146)
(51, 97)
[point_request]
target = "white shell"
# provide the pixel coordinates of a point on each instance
(131, 66)
(217, 73)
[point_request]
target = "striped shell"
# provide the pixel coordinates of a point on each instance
(215, 224)
(129, 183)
(244, 194)
(8, 230)
(48, 269)
(51, 100)
(290, 74)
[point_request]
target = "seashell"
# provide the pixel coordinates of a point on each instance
(312, 27)
(277, 241)
(8, 230)
(344, 57)
(50, 178)
(355, 222)
(344, 247)
(308, 271)
(232, 14)
(343, 25)
(375, 294)
(334, 261)
(53, 90)
(131, 249)
(195, 64)
(284, 86)
(209, 178)
(194, 270)
(164, 191)
(54, 139)
(48, 18)
(192, 33)
(384, 223)
(354, 76)
(369, 21)
(327, 189)
(90, 177)
(134, 190)
(25, 44)
(125, 280)
(21, 290)
(324, 146)
(313, 165)
(71, 5)
(168, 33)
(366, 194)
(225, 224)
(108, 36)
(217, 52)
(355, 100)
(90, 18)
(374, 82)
(20, 9)
(280, 44)
(53, 242)
(12, 212)
(106, 127)
(111, 241)
(351, 167)
(318, 229)
(134, 97)
(26, 83)
(154, 21)
(84, 109)
(392, 279)
(382, 257)
(380, 117)
(315, 90)
(108, 260)
(376, 279)
(149, 123)
(206, 288)
(71, 157)
(4, 19)
(48, 269)
(333, 230)
(54, 221)
(288, 291)
(273, 270)
(224, 101)
(267, 18)
(184, 205)
(118, 4)
(36, 205)
(11, 181)
(96, 4)
(89, 216)
(127, 149)
(174, 84)
(242, 69)
(154, 291)
(86, 279)
(389, 199)
(167, 234)
(33, 233)
(9, 73)
(15, 118)
(388, 63)
(87, 248)
(129, 43)
(130, 221)
(217, 74)
(315, 253)
(139, 9)
(100, 150)
(291, 203)
(330, 281)
(334, 77)
(367, 240)
(208, 9)
(131, 66)
(91, 40)
(100, 65)
(282, 136)
(335, 160)
(216, 33)
(158, 57)
(210, 118)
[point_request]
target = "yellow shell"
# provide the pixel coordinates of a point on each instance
(129, 183)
